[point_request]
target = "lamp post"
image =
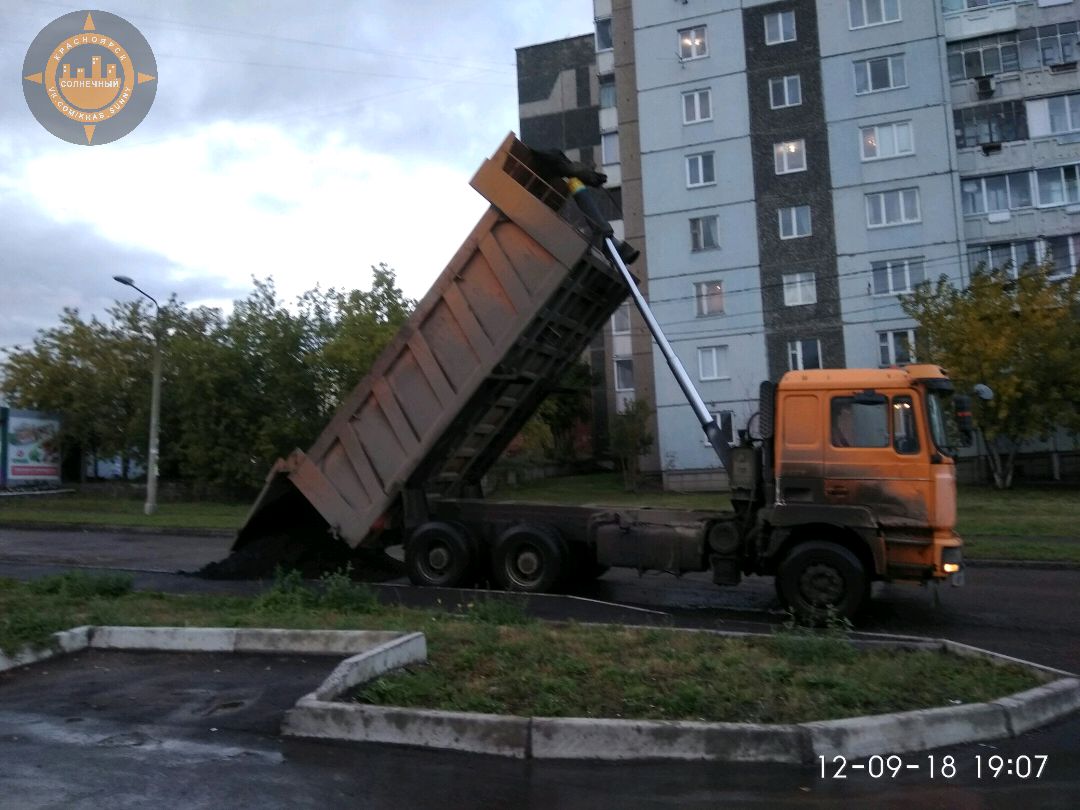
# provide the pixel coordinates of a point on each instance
(155, 402)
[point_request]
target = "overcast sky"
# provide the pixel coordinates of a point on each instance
(301, 140)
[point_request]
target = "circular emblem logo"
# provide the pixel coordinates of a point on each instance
(89, 77)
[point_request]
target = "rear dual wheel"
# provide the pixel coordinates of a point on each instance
(440, 555)
(529, 558)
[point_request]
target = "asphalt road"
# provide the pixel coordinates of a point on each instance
(141, 730)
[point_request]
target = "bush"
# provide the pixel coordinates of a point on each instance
(76, 585)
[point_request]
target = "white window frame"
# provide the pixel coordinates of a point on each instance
(789, 157)
(891, 266)
(596, 34)
(867, 4)
(800, 289)
(696, 96)
(699, 227)
(892, 60)
(793, 220)
(1016, 252)
(887, 341)
(606, 82)
(795, 354)
(785, 83)
(700, 159)
(609, 141)
(984, 199)
(876, 200)
(716, 353)
(780, 18)
(895, 128)
(1072, 261)
(702, 296)
(690, 46)
(621, 314)
(1072, 113)
(617, 381)
(1070, 190)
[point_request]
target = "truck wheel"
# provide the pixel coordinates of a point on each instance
(528, 558)
(820, 579)
(439, 555)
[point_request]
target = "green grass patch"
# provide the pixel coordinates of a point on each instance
(491, 657)
(1022, 512)
(101, 511)
(606, 489)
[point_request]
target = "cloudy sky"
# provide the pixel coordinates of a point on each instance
(305, 141)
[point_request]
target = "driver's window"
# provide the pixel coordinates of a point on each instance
(859, 424)
(905, 438)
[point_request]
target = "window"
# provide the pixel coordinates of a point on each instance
(607, 91)
(699, 170)
(887, 208)
(712, 363)
(603, 34)
(990, 123)
(984, 56)
(884, 73)
(863, 13)
(905, 436)
(609, 148)
(726, 420)
(999, 192)
(710, 298)
(697, 106)
(703, 233)
(1064, 113)
(897, 347)
(620, 321)
(794, 221)
(886, 141)
(859, 424)
(692, 43)
(803, 354)
(790, 156)
(1059, 185)
(779, 27)
(624, 375)
(1048, 45)
(1001, 256)
(799, 288)
(896, 276)
(785, 91)
(1064, 252)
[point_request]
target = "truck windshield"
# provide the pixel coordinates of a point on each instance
(937, 419)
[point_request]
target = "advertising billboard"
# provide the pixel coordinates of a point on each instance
(32, 448)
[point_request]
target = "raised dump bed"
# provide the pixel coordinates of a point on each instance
(518, 303)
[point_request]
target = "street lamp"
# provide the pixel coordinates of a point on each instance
(155, 402)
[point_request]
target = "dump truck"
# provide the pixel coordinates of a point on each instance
(848, 477)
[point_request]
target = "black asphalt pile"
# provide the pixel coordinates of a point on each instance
(312, 554)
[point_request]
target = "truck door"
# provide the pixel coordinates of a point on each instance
(874, 457)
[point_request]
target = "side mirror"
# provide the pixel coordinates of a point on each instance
(983, 392)
(964, 422)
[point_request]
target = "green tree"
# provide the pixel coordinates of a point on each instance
(631, 439)
(566, 407)
(1020, 336)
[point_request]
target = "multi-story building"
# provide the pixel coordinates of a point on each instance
(803, 164)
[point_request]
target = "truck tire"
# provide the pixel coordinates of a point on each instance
(440, 555)
(529, 558)
(819, 579)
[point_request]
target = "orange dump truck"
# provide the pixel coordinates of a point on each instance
(850, 480)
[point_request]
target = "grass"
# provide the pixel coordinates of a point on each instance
(493, 658)
(607, 489)
(1020, 512)
(99, 511)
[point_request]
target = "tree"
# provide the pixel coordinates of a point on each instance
(1019, 335)
(631, 439)
(566, 407)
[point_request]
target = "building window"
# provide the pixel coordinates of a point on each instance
(999, 192)
(984, 56)
(697, 106)
(790, 156)
(779, 27)
(896, 276)
(603, 34)
(885, 208)
(712, 363)
(609, 148)
(1001, 256)
(1064, 253)
(704, 233)
(726, 421)
(1048, 45)
(785, 91)
(863, 13)
(799, 288)
(884, 73)
(620, 321)
(1059, 185)
(886, 141)
(803, 354)
(699, 170)
(1064, 113)
(905, 435)
(990, 123)
(692, 43)
(624, 375)
(794, 221)
(710, 298)
(897, 347)
(607, 91)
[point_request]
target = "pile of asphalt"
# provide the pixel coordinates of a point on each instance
(311, 553)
